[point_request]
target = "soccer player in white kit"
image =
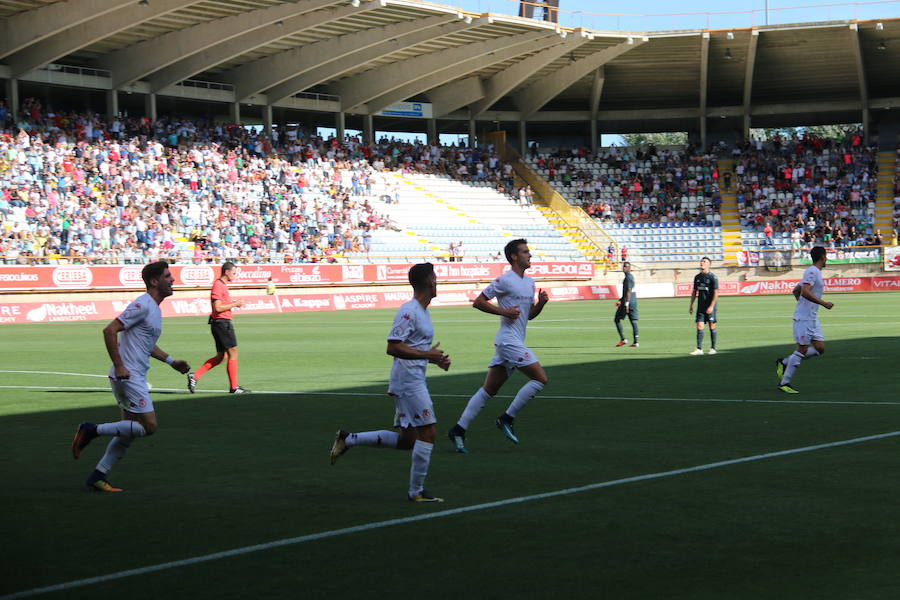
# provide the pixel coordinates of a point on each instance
(140, 326)
(515, 305)
(807, 331)
(410, 344)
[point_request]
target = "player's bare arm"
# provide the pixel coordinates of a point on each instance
(220, 306)
(435, 355)
(543, 298)
(806, 292)
(693, 297)
(796, 292)
(179, 365)
(485, 305)
(111, 339)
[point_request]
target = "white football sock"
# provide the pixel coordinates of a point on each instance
(810, 352)
(476, 403)
(793, 361)
(132, 429)
(525, 394)
(115, 450)
(421, 457)
(378, 439)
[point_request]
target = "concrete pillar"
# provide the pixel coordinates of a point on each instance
(866, 123)
(595, 138)
(150, 106)
(431, 130)
(703, 132)
(339, 124)
(523, 138)
(112, 103)
(235, 112)
(267, 120)
(369, 129)
(12, 99)
(472, 137)
(746, 129)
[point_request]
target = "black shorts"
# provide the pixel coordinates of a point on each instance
(223, 333)
(702, 317)
(631, 313)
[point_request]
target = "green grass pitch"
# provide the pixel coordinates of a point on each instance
(230, 472)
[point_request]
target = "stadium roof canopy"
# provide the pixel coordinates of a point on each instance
(365, 56)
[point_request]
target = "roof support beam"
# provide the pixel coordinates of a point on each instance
(30, 27)
(704, 81)
(138, 61)
(262, 74)
(356, 91)
(504, 82)
(424, 77)
(251, 40)
(748, 79)
(452, 96)
(336, 68)
(861, 77)
(74, 38)
(536, 95)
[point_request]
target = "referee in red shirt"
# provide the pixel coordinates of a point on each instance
(222, 331)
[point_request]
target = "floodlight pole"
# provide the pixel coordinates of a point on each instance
(767, 12)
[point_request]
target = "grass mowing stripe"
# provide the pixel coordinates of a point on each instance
(435, 515)
(546, 397)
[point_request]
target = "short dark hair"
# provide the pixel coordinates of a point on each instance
(153, 271)
(419, 274)
(626, 264)
(512, 247)
(227, 266)
(706, 258)
(817, 253)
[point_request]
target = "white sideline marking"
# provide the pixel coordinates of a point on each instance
(435, 515)
(383, 395)
(54, 373)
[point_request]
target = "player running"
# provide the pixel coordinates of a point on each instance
(807, 331)
(410, 344)
(515, 305)
(130, 340)
(706, 288)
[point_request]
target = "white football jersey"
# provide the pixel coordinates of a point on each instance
(806, 310)
(511, 289)
(143, 326)
(412, 326)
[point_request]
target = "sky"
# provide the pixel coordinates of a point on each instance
(648, 14)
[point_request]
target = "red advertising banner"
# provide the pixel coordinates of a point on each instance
(726, 288)
(102, 310)
(87, 277)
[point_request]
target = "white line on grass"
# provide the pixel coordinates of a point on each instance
(435, 515)
(544, 396)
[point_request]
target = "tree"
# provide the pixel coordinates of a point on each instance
(671, 138)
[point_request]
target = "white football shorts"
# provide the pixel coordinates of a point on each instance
(413, 407)
(132, 394)
(512, 356)
(806, 331)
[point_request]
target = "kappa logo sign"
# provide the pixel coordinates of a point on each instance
(72, 277)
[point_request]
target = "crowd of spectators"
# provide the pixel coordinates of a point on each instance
(624, 185)
(88, 190)
(811, 190)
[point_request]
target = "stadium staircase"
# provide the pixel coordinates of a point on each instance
(884, 202)
(731, 221)
(570, 221)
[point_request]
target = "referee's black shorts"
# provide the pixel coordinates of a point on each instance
(223, 333)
